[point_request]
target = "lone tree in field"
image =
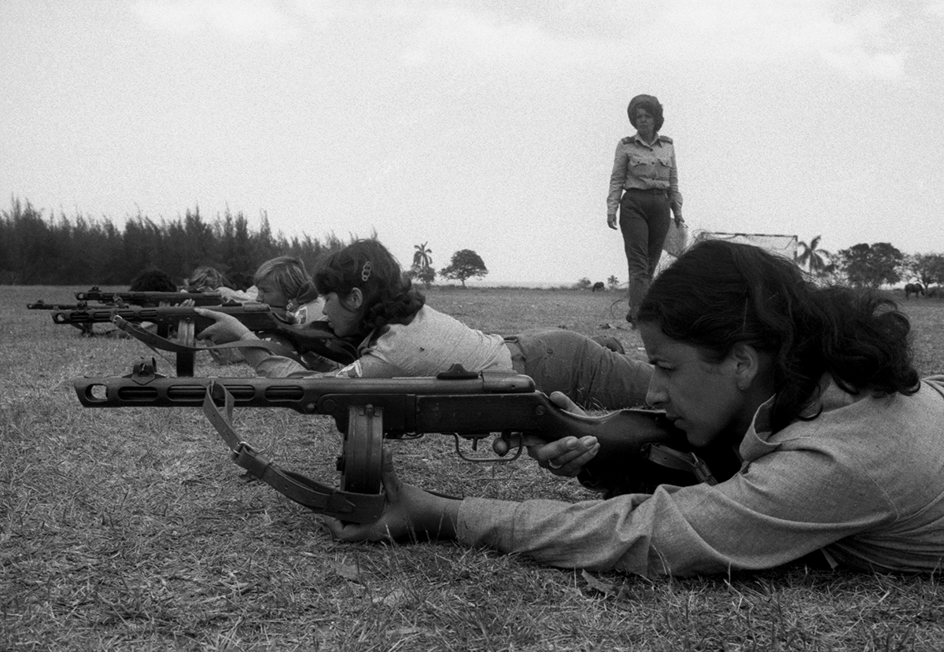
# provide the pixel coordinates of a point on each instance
(422, 268)
(872, 265)
(929, 268)
(465, 264)
(612, 282)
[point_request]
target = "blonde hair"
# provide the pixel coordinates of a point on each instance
(290, 276)
(206, 278)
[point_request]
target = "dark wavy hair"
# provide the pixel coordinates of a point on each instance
(718, 294)
(389, 297)
(651, 105)
(153, 280)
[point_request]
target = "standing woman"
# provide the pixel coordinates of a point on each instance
(644, 187)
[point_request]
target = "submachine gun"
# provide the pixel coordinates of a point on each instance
(260, 318)
(96, 302)
(148, 298)
(467, 406)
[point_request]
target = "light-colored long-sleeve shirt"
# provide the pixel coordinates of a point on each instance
(430, 344)
(864, 481)
(557, 359)
(638, 164)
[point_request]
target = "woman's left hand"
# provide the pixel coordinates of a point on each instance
(410, 514)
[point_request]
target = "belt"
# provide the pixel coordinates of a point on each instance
(649, 191)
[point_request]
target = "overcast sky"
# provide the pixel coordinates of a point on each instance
(486, 125)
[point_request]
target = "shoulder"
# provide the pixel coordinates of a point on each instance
(665, 139)
(422, 321)
(628, 140)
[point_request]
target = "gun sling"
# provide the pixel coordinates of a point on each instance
(348, 506)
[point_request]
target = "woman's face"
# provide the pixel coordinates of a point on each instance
(645, 124)
(343, 318)
(702, 398)
(268, 292)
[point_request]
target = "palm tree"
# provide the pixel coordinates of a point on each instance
(423, 265)
(422, 257)
(814, 259)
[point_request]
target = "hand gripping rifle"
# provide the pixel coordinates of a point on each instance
(469, 406)
(258, 317)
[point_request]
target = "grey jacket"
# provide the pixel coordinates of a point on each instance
(864, 481)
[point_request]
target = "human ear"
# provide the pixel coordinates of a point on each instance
(747, 364)
(354, 300)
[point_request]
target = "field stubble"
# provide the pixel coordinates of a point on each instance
(131, 529)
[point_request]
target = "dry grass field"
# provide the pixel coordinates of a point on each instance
(130, 529)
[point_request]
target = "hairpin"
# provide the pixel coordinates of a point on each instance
(365, 271)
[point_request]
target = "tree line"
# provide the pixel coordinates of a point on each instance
(58, 250)
(36, 249)
(870, 265)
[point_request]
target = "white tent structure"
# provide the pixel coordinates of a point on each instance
(783, 245)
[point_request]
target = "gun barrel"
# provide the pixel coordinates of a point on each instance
(42, 305)
(257, 317)
(305, 395)
(489, 402)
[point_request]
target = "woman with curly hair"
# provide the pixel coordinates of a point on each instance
(840, 443)
(368, 298)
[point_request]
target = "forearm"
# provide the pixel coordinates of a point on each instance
(590, 534)
(676, 531)
(435, 516)
(675, 197)
(265, 363)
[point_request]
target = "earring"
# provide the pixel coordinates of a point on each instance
(741, 386)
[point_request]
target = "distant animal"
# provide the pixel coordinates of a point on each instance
(597, 286)
(914, 288)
